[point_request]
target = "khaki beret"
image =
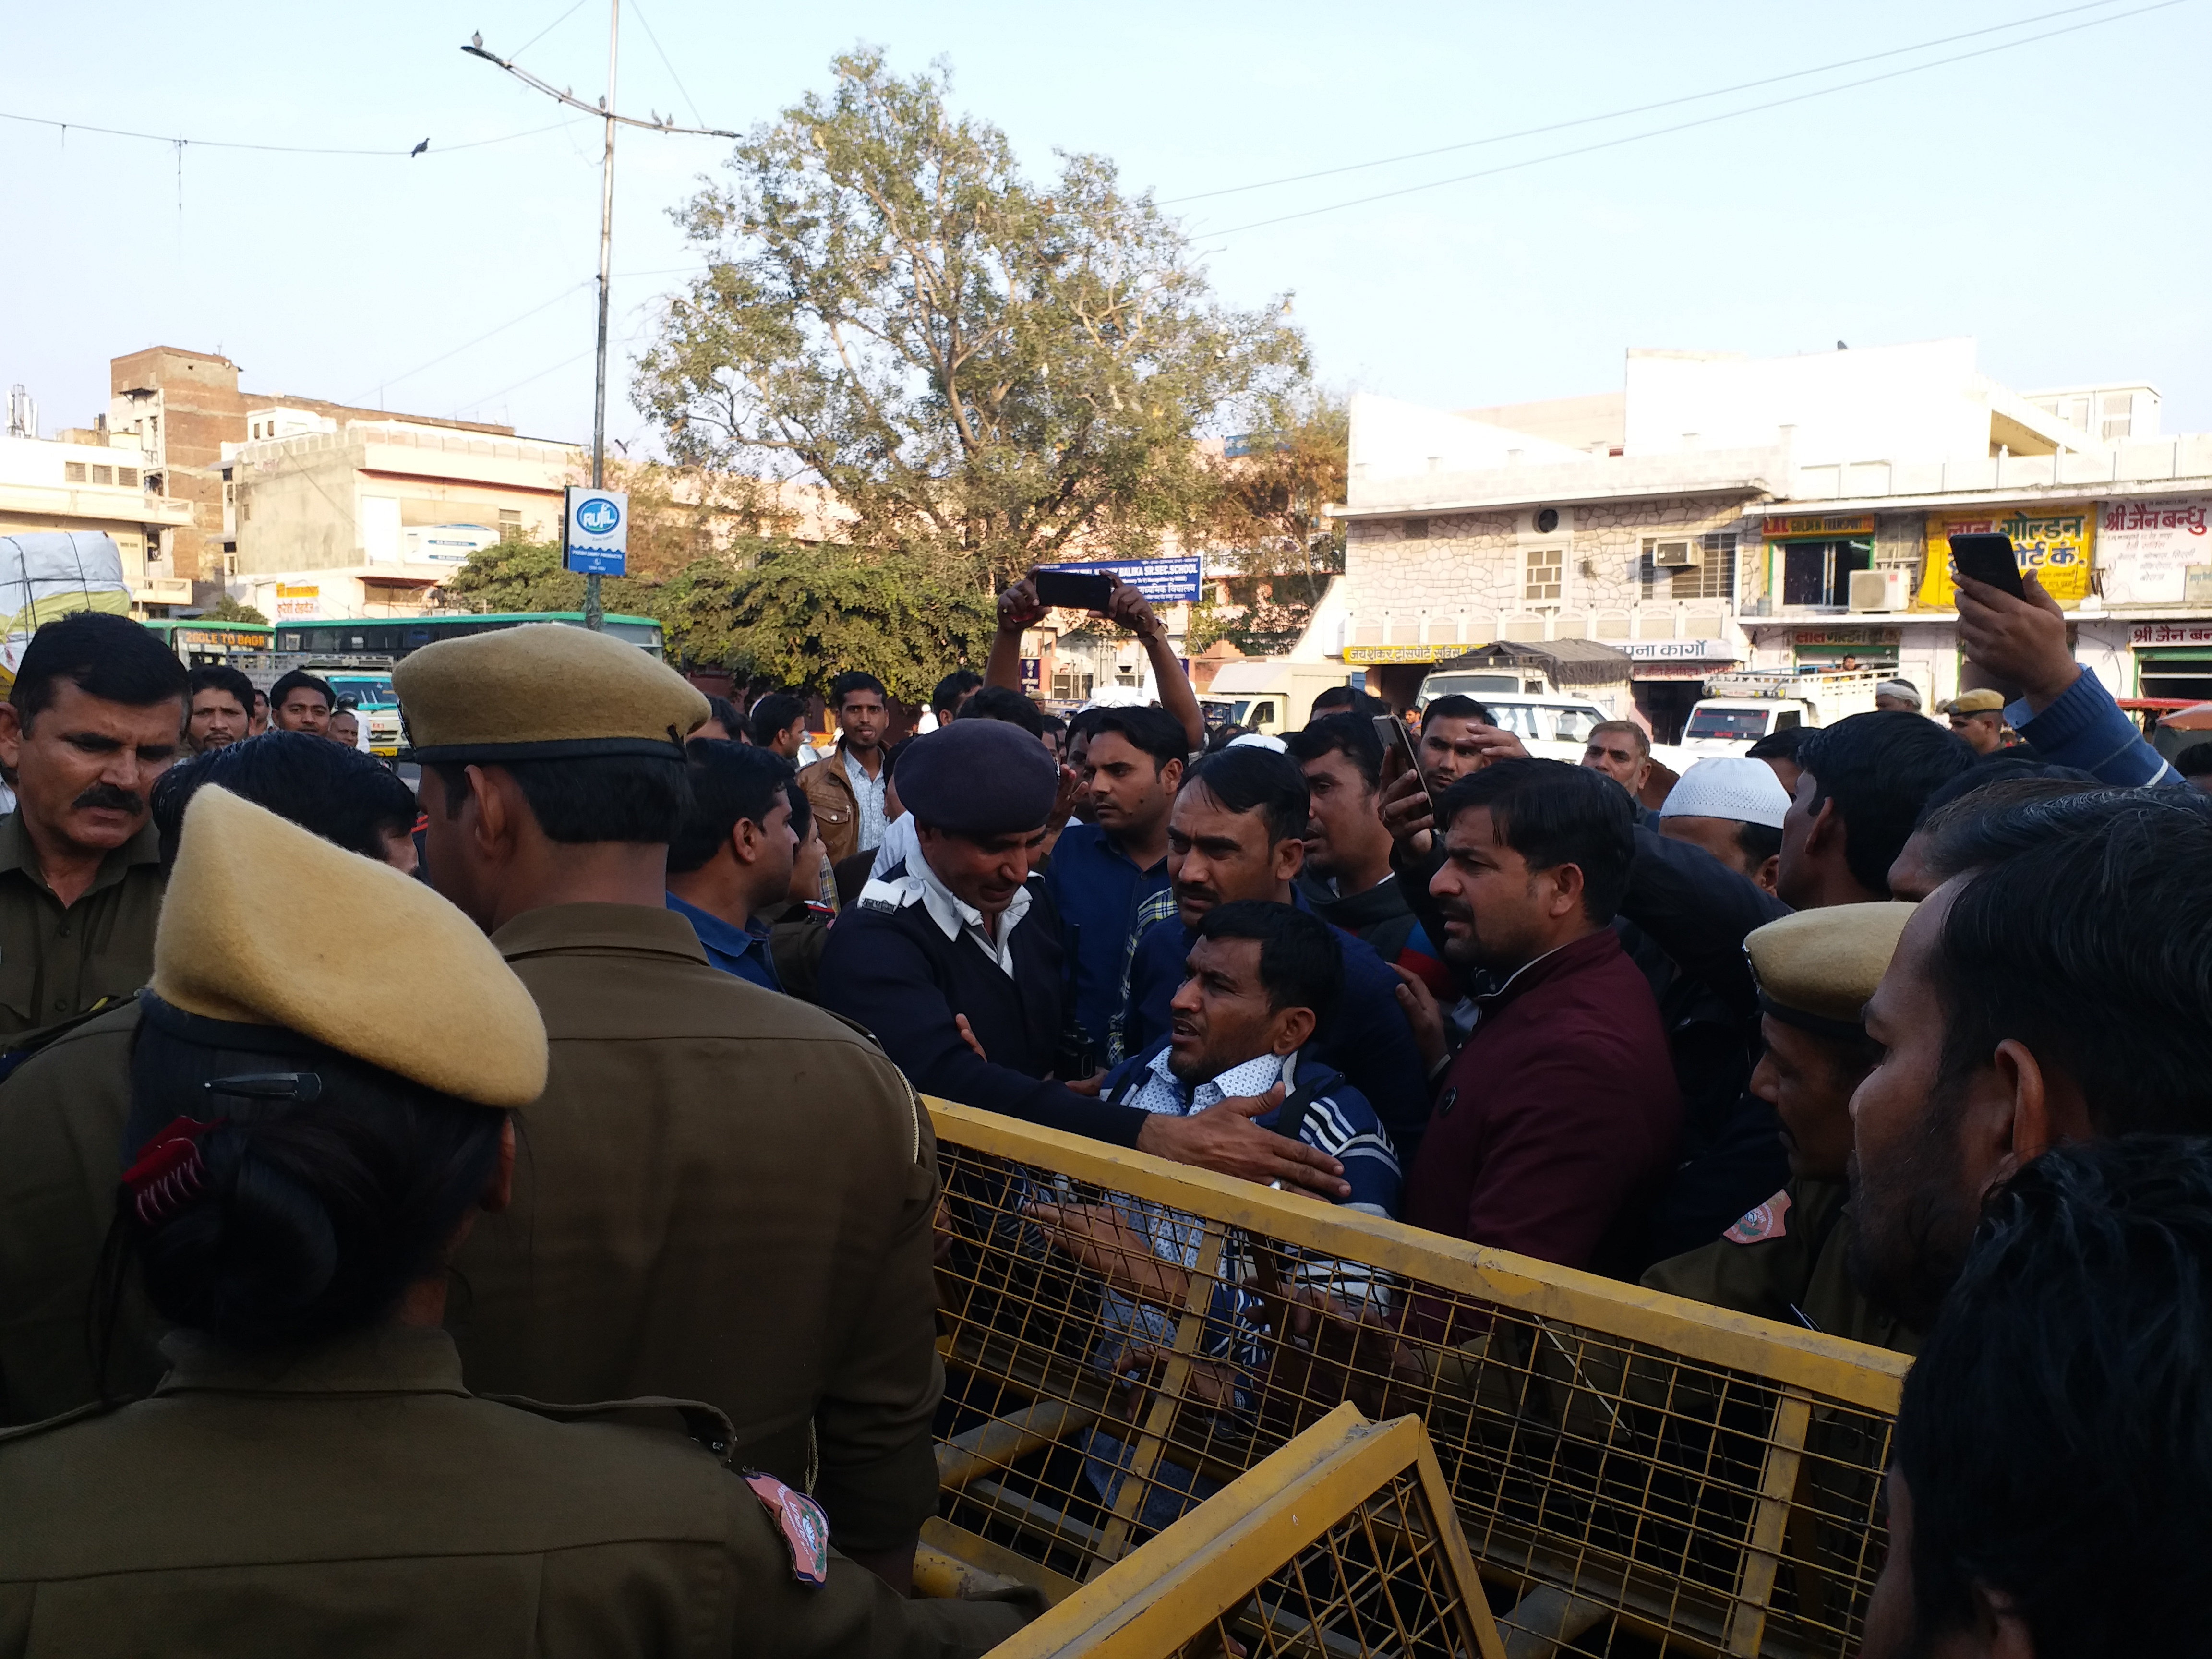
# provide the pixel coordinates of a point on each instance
(1818, 968)
(543, 691)
(1983, 701)
(264, 924)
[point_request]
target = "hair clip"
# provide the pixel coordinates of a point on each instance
(302, 1086)
(168, 1171)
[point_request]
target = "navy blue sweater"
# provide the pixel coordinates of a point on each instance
(895, 973)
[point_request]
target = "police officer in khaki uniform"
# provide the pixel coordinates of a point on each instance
(1784, 1260)
(329, 1059)
(93, 718)
(62, 1111)
(726, 1194)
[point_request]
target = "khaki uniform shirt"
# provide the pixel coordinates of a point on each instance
(56, 963)
(1786, 1258)
(361, 1502)
(725, 1195)
(62, 1115)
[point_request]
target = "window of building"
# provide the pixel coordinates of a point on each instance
(510, 524)
(1819, 572)
(2119, 415)
(1544, 572)
(72, 471)
(103, 475)
(1689, 567)
(1417, 529)
(127, 477)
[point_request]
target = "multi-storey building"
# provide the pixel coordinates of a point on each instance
(97, 481)
(1785, 513)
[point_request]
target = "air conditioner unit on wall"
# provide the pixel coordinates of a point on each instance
(1677, 555)
(1877, 589)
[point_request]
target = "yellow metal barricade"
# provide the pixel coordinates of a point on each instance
(1343, 1543)
(1123, 1338)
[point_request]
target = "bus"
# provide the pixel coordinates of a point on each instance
(197, 642)
(394, 637)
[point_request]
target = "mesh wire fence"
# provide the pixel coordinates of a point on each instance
(1344, 1543)
(1124, 1337)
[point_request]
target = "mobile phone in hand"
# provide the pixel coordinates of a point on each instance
(1398, 754)
(1072, 590)
(1989, 559)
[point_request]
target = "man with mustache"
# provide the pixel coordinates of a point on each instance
(1238, 831)
(91, 721)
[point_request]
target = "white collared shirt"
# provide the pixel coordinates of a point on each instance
(948, 910)
(867, 797)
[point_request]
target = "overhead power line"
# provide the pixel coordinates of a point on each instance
(522, 317)
(1638, 109)
(1683, 126)
(274, 149)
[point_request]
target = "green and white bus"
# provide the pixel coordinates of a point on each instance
(393, 637)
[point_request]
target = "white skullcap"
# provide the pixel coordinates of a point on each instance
(1728, 786)
(1258, 740)
(1904, 691)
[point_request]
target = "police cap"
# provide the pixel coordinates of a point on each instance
(264, 924)
(1817, 968)
(543, 691)
(978, 778)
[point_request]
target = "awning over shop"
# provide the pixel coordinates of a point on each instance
(1564, 662)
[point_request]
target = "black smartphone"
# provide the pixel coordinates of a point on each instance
(1071, 590)
(1398, 754)
(1988, 559)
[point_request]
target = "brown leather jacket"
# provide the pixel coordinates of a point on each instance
(829, 792)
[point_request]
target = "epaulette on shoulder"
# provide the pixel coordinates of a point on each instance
(889, 895)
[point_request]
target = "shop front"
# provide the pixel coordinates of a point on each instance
(1813, 555)
(1666, 678)
(1846, 650)
(2174, 659)
(2057, 543)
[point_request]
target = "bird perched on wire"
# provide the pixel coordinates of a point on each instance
(418, 150)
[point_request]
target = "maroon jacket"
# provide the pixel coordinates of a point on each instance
(1558, 1119)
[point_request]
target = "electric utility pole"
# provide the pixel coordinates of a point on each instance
(594, 613)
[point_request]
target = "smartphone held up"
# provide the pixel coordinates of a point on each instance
(1989, 558)
(1072, 590)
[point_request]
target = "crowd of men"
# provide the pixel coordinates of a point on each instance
(1863, 1031)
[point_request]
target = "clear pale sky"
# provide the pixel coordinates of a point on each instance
(2048, 199)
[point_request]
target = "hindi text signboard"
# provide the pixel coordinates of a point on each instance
(2145, 549)
(2056, 542)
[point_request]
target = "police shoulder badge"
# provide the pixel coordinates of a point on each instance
(805, 1529)
(1768, 1221)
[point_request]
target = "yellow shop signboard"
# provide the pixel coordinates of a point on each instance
(2057, 543)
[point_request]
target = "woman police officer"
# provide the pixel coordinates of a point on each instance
(322, 1093)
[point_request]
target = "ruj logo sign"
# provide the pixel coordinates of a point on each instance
(597, 542)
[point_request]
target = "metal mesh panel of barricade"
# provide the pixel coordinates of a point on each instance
(1123, 1338)
(1343, 1543)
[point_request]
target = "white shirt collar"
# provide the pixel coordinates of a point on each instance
(1163, 1091)
(958, 917)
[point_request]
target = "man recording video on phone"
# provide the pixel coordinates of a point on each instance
(2063, 713)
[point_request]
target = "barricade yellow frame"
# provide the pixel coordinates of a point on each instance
(1804, 1376)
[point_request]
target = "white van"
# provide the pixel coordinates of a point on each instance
(1739, 709)
(1553, 727)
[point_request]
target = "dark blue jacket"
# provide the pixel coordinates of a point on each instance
(895, 973)
(1320, 1108)
(1096, 888)
(2085, 728)
(1365, 1036)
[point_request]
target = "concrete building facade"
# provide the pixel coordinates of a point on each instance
(82, 481)
(365, 518)
(1785, 513)
(184, 408)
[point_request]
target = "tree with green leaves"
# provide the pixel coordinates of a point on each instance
(227, 608)
(802, 615)
(528, 576)
(1270, 538)
(988, 372)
